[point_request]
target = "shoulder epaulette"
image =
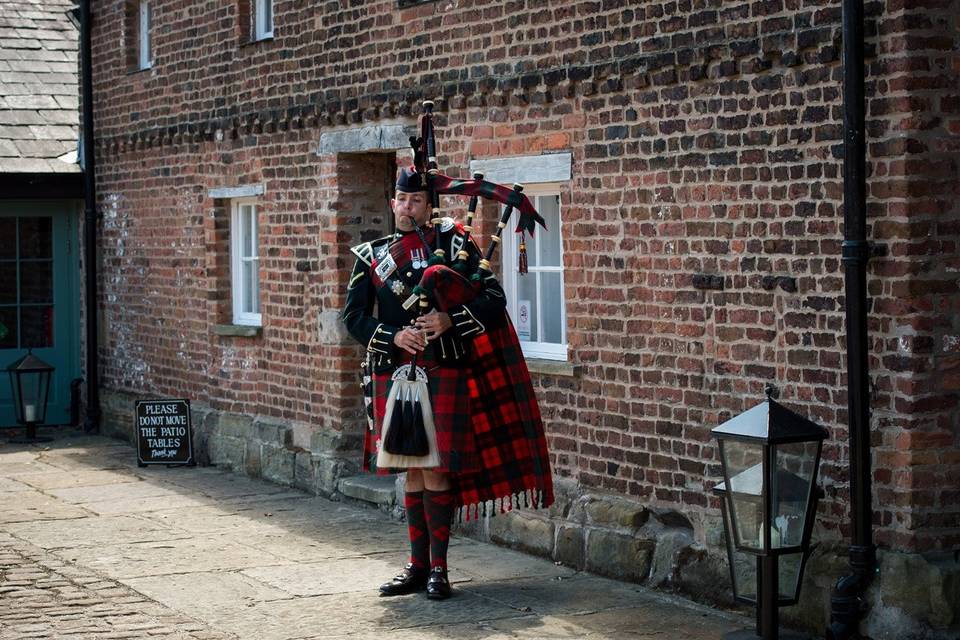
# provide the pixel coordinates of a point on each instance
(364, 251)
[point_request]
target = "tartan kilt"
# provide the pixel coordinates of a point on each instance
(451, 401)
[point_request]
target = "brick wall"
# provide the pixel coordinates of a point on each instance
(702, 226)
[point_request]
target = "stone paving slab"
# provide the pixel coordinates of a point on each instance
(331, 576)
(9, 485)
(485, 562)
(78, 478)
(206, 594)
(143, 505)
(92, 531)
(365, 615)
(29, 506)
(218, 484)
(176, 555)
(14, 468)
(134, 489)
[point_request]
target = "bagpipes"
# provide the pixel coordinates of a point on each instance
(425, 162)
(409, 437)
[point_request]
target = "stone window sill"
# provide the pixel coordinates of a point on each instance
(238, 330)
(553, 367)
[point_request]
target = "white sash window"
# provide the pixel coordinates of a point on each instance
(263, 19)
(535, 300)
(244, 263)
(144, 53)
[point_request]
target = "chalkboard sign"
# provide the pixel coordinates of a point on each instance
(163, 430)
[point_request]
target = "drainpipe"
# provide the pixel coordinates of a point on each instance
(92, 423)
(847, 602)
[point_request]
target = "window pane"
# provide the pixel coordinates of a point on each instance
(251, 293)
(267, 15)
(8, 238)
(550, 250)
(144, 34)
(551, 299)
(527, 311)
(246, 225)
(37, 326)
(36, 237)
(36, 281)
(8, 328)
(8, 283)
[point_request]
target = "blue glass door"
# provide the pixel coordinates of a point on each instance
(39, 306)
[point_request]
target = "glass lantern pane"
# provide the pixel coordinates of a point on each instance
(743, 462)
(789, 576)
(793, 465)
(32, 389)
(743, 566)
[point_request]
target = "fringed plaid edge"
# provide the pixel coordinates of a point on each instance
(530, 498)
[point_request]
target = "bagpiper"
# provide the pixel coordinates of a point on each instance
(449, 395)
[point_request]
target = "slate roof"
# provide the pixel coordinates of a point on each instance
(39, 94)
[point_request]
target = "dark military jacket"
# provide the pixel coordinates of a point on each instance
(381, 302)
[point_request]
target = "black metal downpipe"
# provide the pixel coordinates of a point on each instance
(92, 422)
(846, 603)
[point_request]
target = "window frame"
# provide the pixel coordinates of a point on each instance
(144, 44)
(237, 258)
(510, 282)
(260, 31)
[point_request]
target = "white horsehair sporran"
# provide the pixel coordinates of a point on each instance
(408, 408)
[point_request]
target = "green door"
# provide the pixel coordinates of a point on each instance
(39, 305)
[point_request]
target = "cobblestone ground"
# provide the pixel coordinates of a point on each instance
(42, 596)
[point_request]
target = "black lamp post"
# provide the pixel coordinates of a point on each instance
(30, 383)
(770, 456)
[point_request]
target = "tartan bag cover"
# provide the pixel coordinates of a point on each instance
(514, 462)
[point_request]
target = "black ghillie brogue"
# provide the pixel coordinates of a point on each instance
(409, 580)
(438, 586)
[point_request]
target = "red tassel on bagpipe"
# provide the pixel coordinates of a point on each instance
(522, 257)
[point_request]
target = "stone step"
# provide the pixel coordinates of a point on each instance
(380, 491)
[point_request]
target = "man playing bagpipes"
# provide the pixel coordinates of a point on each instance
(449, 395)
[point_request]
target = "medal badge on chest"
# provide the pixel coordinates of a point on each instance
(397, 287)
(418, 258)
